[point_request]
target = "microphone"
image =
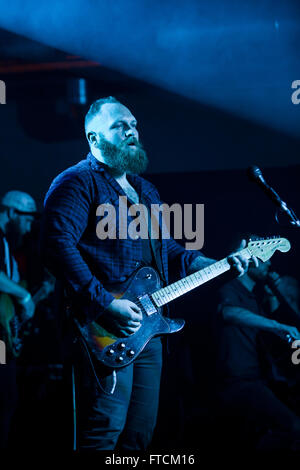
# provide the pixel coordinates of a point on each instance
(255, 174)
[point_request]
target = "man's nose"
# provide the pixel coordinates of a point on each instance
(131, 132)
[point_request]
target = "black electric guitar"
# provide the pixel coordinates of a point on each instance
(145, 290)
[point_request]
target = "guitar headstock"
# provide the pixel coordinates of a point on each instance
(265, 248)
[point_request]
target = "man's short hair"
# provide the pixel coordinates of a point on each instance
(95, 109)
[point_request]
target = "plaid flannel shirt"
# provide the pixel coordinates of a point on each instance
(71, 247)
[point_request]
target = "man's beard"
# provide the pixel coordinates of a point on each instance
(124, 158)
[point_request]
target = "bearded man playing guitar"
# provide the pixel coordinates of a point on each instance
(115, 409)
(16, 216)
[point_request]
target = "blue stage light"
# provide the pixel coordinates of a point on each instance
(241, 57)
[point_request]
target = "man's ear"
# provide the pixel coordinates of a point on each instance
(11, 213)
(92, 138)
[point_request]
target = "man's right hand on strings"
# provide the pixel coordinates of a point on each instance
(123, 316)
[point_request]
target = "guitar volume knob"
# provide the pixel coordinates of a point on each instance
(130, 353)
(120, 359)
(121, 346)
(110, 352)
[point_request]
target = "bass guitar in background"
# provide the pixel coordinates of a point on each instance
(13, 328)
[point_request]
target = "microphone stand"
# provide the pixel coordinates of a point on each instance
(292, 218)
(255, 174)
(284, 209)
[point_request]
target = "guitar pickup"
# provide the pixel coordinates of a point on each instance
(147, 304)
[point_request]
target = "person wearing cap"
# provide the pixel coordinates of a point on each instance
(17, 211)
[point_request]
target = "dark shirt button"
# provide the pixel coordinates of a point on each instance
(123, 278)
(137, 263)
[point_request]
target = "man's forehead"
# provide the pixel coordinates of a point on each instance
(111, 112)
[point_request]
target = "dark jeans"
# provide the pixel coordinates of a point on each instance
(126, 418)
(8, 399)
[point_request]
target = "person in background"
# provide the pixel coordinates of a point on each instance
(17, 211)
(248, 309)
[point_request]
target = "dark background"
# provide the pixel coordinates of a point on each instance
(214, 101)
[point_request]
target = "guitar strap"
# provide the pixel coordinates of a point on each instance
(7, 259)
(10, 263)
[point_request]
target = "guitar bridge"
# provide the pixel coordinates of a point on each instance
(147, 304)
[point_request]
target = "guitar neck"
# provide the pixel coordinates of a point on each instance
(198, 278)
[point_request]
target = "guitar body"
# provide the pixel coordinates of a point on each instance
(116, 352)
(9, 323)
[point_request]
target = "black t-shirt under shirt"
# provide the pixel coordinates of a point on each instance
(151, 255)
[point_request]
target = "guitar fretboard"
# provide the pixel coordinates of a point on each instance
(188, 283)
